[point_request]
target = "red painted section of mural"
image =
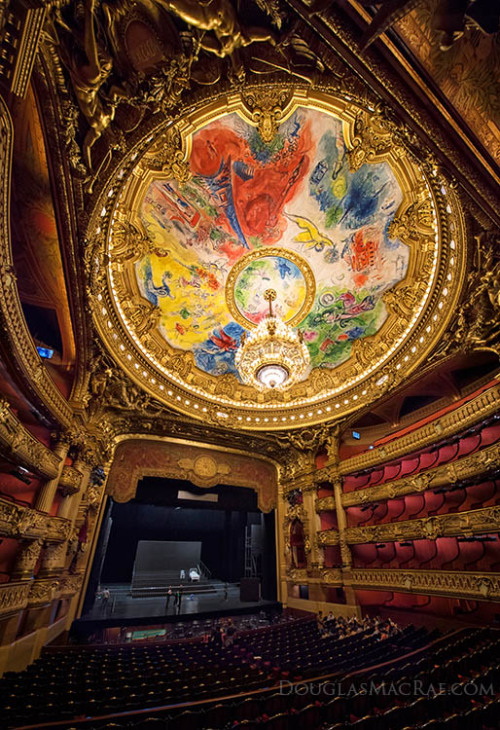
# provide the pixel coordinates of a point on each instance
(259, 198)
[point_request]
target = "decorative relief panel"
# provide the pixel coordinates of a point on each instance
(13, 596)
(328, 537)
(22, 522)
(480, 586)
(69, 481)
(485, 520)
(325, 504)
(469, 466)
(205, 467)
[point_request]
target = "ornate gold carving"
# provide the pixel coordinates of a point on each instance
(373, 138)
(204, 471)
(54, 557)
(267, 107)
(464, 468)
(466, 584)
(58, 529)
(297, 469)
(169, 156)
(328, 537)
(69, 481)
(485, 404)
(485, 520)
(325, 504)
(332, 576)
(26, 558)
(42, 592)
(13, 596)
(307, 439)
(297, 575)
(17, 443)
(21, 522)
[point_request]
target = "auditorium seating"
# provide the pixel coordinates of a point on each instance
(96, 682)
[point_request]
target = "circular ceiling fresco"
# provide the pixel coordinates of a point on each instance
(316, 199)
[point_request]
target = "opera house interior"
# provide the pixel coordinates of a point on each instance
(249, 364)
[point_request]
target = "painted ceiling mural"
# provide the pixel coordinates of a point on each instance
(286, 214)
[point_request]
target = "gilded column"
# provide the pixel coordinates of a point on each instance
(345, 551)
(46, 494)
(315, 556)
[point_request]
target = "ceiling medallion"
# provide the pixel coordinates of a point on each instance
(271, 267)
(363, 244)
(273, 355)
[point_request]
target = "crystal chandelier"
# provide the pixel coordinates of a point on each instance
(273, 355)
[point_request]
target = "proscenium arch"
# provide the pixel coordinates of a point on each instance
(203, 465)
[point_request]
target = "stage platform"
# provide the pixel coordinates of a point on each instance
(123, 608)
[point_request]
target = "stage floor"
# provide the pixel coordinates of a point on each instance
(122, 605)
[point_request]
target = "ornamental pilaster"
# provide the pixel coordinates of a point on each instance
(46, 494)
(315, 555)
(342, 525)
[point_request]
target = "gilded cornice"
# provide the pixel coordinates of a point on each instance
(465, 468)
(325, 504)
(460, 584)
(328, 537)
(484, 405)
(17, 342)
(17, 521)
(474, 522)
(19, 445)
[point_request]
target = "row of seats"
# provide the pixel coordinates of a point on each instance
(102, 680)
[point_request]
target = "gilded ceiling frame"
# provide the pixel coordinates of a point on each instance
(370, 137)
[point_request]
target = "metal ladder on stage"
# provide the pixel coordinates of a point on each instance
(250, 563)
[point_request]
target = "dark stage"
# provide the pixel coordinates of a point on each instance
(170, 527)
(123, 607)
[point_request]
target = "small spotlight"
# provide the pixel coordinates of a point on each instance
(20, 473)
(45, 352)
